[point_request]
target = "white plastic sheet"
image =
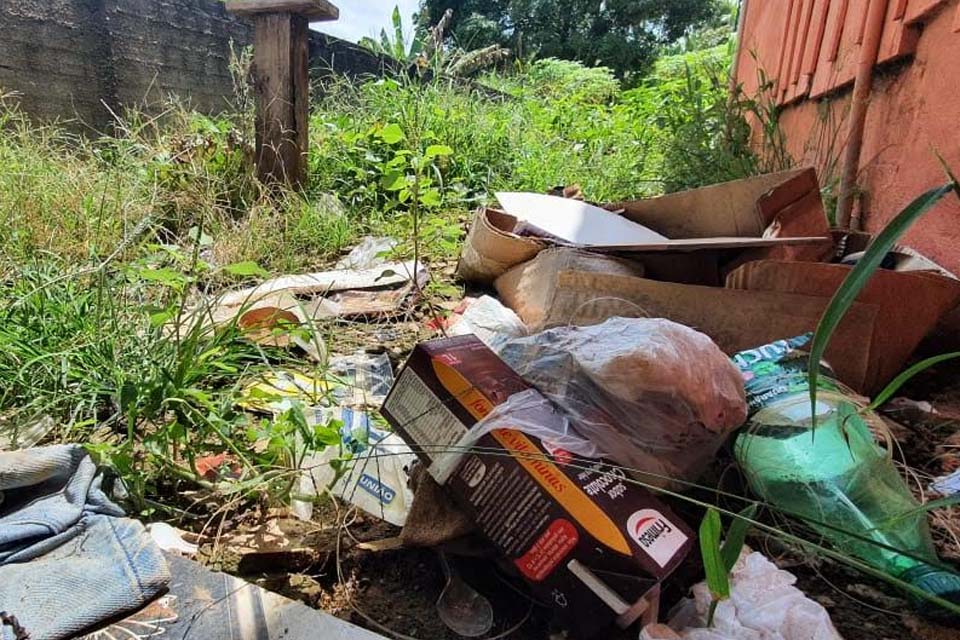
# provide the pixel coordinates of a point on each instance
(764, 604)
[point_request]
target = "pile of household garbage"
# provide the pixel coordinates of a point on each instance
(562, 419)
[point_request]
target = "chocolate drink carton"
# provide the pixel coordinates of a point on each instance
(587, 540)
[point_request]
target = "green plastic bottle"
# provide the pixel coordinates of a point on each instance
(835, 474)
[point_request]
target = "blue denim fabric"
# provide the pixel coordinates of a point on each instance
(68, 560)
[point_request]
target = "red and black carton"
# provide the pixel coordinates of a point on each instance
(586, 540)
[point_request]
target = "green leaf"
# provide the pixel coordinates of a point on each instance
(166, 276)
(327, 436)
(718, 577)
(430, 198)
(246, 269)
(435, 150)
(397, 21)
(162, 317)
(904, 377)
(392, 134)
(737, 537)
(850, 288)
(395, 181)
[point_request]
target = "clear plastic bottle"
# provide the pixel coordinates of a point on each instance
(835, 477)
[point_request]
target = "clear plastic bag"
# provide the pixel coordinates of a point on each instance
(651, 395)
(528, 412)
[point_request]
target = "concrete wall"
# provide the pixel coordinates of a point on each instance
(914, 110)
(68, 58)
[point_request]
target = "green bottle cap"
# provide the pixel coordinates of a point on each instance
(938, 582)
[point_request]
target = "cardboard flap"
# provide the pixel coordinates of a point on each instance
(491, 247)
(909, 304)
(730, 209)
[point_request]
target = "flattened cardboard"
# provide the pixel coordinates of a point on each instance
(909, 304)
(713, 244)
(208, 605)
(735, 319)
(578, 224)
(385, 275)
(783, 208)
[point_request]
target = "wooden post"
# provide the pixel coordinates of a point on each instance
(282, 82)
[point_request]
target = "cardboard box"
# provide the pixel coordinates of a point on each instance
(772, 216)
(909, 304)
(554, 290)
(584, 538)
(788, 202)
(764, 301)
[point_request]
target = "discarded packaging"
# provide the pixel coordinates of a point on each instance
(368, 469)
(948, 485)
(275, 391)
(216, 606)
(566, 286)
(361, 379)
(837, 479)
(652, 395)
(573, 223)
(270, 312)
(541, 294)
(491, 248)
(358, 380)
(772, 216)
(787, 204)
(371, 252)
(489, 320)
(764, 604)
(170, 539)
(587, 540)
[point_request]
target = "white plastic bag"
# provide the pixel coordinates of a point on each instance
(490, 321)
(374, 479)
(764, 604)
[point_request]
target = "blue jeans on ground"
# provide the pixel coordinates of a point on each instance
(68, 559)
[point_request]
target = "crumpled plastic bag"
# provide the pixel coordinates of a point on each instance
(654, 396)
(489, 320)
(764, 604)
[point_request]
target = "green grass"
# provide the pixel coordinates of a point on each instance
(105, 239)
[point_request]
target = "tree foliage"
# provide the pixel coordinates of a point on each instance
(621, 34)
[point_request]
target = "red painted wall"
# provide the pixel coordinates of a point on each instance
(914, 109)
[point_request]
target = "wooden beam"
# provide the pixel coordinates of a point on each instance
(281, 79)
(313, 10)
(282, 83)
